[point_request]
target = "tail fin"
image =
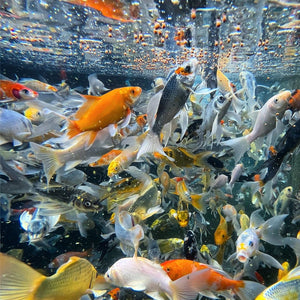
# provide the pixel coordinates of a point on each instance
(49, 158)
(239, 145)
(151, 144)
(17, 280)
(73, 129)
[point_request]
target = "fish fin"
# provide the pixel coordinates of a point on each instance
(151, 144)
(268, 260)
(90, 100)
(3, 140)
(251, 290)
(152, 108)
(183, 121)
(72, 164)
(16, 143)
(73, 129)
(49, 158)
(294, 243)
(127, 119)
(239, 145)
(113, 129)
(18, 280)
(270, 230)
(237, 104)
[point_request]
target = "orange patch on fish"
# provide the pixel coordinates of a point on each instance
(15, 91)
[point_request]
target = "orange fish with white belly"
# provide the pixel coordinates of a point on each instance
(99, 112)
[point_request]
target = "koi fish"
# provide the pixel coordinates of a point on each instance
(71, 281)
(14, 91)
(165, 105)
(99, 112)
(221, 234)
(37, 85)
(265, 122)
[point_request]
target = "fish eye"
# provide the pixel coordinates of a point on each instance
(276, 100)
(251, 244)
(132, 92)
(88, 203)
(168, 269)
(26, 92)
(188, 69)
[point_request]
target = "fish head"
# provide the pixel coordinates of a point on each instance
(37, 229)
(246, 245)
(24, 93)
(114, 168)
(279, 103)
(188, 71)
(288, 191)
(133, 93)
(86, 202)
(113, 276)
(221, 236)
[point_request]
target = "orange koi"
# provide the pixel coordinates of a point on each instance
(13, 91)
(99, 112)
(294, 102)
(211, 279)
(114, 294)
(113, 9)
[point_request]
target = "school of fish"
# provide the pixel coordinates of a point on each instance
(186, 186)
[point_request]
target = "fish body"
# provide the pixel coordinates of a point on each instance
(265, 122)
(106, 159)
(287, 144)
(74, 153)
(287, 288)
(14, 127)
(37, 85)
(71, 281)
(170, 101)
(13, 91)
(221, 234)
(63, 258)
(248, 83)
(282, 202)
(99, 112)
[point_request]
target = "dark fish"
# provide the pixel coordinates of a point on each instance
(287, 144)
(190, 247)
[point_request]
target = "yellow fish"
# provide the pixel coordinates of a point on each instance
(71, 281)
(221, 233)
(287, 288)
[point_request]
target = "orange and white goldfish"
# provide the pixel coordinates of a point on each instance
(265, 122)
(212, 279)
(71, 281)
(14, 91)
(221, 234)
(99, 112)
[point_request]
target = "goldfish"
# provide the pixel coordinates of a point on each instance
(164, 106)
(221, 234)
(34, 114)
(14, 127)
(127, 232)
(265, 122)
(74, 153)
(37, 85)
(13, 91)
(99, 112)
(71, 280)
(63, 258)
(183, 213)
(106, 159)
(244, 222)
(212, 279)
(287, 288)
(115, 10)
(184, 159)
(247, 244)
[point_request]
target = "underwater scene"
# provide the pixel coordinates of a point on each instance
(149, 149)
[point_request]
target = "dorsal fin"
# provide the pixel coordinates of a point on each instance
(90, 100)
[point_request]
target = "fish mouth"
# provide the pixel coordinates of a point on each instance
(242, 258)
